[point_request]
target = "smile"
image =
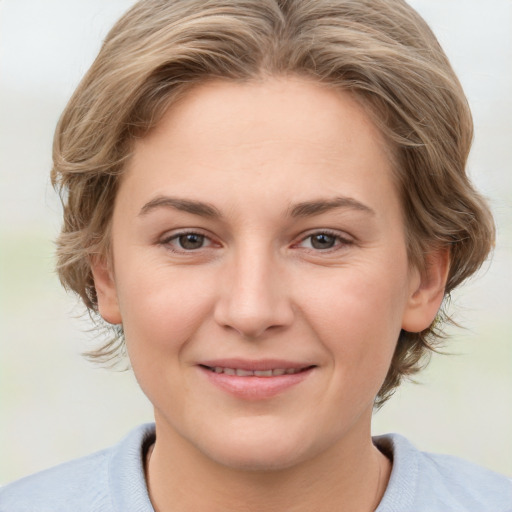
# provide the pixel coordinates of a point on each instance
(255, 380)
(240, 372)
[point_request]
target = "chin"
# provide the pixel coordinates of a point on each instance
(265, 450)
(256, 459)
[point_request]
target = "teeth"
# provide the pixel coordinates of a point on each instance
(243, 373)
(263, 373)
(256, 373)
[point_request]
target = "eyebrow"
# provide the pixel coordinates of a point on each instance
(184, 205)
(304, 209)
(311, 208)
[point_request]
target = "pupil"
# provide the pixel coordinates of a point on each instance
(322, 241)
(191, 241)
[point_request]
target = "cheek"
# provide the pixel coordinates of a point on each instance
(357, 300)
(357, 316)
(161, 317)
(161, 309)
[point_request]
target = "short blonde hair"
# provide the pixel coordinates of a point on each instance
(380, 50)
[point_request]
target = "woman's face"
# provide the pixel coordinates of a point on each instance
(260, 272)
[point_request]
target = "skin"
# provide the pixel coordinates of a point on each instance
(260, 286)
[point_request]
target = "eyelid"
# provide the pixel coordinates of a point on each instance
(343, 239)
(171, 236)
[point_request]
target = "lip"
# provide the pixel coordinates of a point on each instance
(255, 365)
(255, 387)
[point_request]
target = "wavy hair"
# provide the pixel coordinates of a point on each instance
(380, 50)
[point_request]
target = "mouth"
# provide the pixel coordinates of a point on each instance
(255, 380)
(242, 372)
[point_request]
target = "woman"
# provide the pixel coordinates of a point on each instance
(268, 202)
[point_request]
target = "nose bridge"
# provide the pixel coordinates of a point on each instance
(255, 297)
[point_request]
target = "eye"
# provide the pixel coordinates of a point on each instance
(190, 241)
(323, 240)
(185, 242)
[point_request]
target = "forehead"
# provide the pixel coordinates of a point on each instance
(287, 133)
(228, 112)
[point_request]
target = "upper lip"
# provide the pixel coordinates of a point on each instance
(255, 365)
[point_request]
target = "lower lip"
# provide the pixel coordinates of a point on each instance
(255, 388)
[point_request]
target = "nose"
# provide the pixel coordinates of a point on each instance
(254, 296)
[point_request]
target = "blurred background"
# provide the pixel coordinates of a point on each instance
(55, 406)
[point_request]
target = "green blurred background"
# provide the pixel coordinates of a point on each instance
(55, 406)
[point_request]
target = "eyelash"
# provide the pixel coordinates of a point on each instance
(339, 241)
(175, 237)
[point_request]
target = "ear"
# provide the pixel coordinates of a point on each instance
(108, 306)
(426, 291)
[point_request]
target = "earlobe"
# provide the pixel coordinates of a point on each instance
(108, 306)
(427, 292)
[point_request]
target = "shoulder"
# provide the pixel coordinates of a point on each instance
(64, 487)
(438, 483)
(98, 482)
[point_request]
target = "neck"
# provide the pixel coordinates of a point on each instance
(351, 476)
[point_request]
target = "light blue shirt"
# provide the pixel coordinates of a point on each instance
(113, 481)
